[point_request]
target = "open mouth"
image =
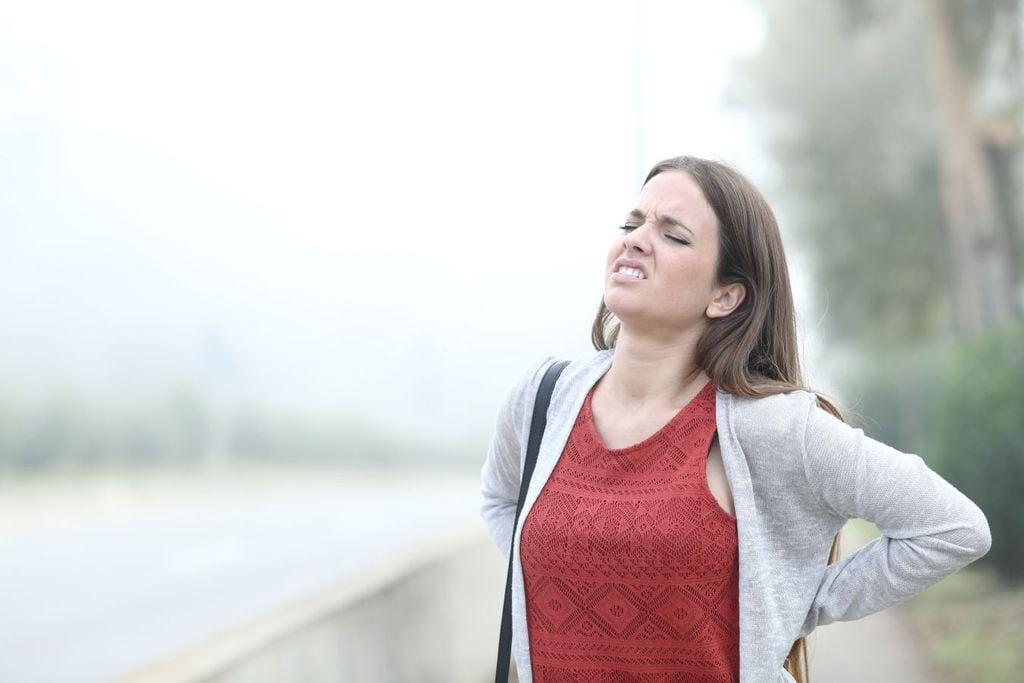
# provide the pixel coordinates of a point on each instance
(626, 273)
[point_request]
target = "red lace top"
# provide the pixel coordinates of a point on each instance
(630, 565)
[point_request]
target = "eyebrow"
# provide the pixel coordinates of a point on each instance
(637, 213)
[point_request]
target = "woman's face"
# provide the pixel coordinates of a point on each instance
(672, 237)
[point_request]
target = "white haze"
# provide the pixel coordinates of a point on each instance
(384, 209)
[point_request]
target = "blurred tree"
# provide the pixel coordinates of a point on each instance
(896, 128)
(843, 92)
(959, 39)
(73, 431)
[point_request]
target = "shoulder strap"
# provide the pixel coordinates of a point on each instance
(537, 425)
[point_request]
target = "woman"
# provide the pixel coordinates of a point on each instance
(682, 520)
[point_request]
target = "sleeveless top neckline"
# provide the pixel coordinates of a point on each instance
(707, 390)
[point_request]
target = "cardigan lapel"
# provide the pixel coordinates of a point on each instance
(752, 581)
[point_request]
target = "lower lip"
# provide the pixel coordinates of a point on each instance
(622, 277)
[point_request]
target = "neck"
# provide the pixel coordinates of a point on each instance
(651, 372)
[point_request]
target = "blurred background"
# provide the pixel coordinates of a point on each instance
(268, 269)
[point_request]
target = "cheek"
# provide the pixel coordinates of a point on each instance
(694, 273)
(702, 262)
(614, 251)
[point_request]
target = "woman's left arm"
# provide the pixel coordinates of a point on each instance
(929, 529)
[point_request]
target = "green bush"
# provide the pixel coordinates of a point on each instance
(975, 436)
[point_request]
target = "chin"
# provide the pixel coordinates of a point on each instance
(624, 313)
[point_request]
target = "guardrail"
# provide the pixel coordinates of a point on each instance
(430, 614)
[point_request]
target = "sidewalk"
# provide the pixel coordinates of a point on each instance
(878, 647)
(875, 648)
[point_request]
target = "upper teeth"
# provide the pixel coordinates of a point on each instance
(635, 272)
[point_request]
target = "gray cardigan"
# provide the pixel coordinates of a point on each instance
(796, 474)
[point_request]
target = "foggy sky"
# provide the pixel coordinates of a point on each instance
(384, 209)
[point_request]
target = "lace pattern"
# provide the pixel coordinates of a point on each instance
(630, 564)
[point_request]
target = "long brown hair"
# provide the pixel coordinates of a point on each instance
(752, 351)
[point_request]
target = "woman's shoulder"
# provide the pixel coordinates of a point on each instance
(522, 392)
(795, 399)
(780, 416)
(531, 377)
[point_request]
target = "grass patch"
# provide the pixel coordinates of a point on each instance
(972, 626)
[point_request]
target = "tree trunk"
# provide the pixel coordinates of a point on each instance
(979, 255)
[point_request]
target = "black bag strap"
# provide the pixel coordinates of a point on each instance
(537, 425)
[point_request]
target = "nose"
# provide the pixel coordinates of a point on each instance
(636, 239)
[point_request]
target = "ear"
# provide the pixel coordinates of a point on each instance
(727, 299)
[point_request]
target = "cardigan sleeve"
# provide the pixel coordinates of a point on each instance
(929, 529)
(500, 474)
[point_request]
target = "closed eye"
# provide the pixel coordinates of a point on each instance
(680, 240)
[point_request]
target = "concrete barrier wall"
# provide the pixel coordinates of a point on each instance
(431, 614)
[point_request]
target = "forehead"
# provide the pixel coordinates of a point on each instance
(677, 194)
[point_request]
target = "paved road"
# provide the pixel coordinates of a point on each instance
(92, 597)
